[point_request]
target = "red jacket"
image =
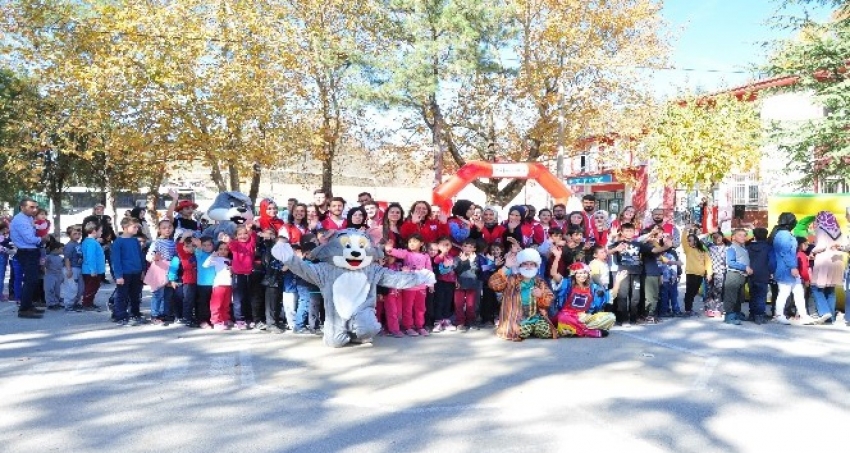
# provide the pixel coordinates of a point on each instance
(293, 232)
(329, 224)
(189, 264)
(803, 267)
(431, 230)
(243, 255)
(493, 235)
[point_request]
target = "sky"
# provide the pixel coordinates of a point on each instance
(717, 39)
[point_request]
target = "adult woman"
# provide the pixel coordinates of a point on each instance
(714, 290)
(525, 298)
(516, 228)
(600, 234)
(140, 213)
(697, 267)
(268, 215)
(626, 215)
(545, 216)
(390, 228)
(356, 219)
(491, 231)
(298, 217)
(460, 223)
(787, 275)
(420, 221)
(576, 220)
(314, 220)
(828, 270)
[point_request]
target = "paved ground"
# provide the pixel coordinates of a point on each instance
(75, 382)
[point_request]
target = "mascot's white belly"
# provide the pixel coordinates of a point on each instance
(350, 292)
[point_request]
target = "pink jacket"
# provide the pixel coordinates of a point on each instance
(414, 261)
(243, 255)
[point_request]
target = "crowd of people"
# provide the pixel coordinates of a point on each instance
(543, 274)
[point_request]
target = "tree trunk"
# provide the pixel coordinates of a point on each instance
(217, 177)
(233, 174)
(256, 174)
(153, 197)
(56, 199)
(327, 170)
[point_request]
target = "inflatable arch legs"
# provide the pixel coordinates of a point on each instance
(477, 169)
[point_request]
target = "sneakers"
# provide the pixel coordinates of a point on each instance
(758, 319)
(74, 309)
(240, 325)
(260, 325)
(822, 319)
(711, 313)
(463, 328)
(91, 308)
(158, 322)
(273, 329)
(301, 332)
(221, 326)
(732, 318)
(411, 333)
(438, 327)
(781, 319)
(450, 327)
(396, 334)
(54, 307)
(423, 333)
(206, 326)
(122, 323)
(136, 321)
(806, 320)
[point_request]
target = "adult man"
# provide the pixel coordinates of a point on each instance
(321, 202)
(22, 232)
(364, 197)
(334, 219)
(107, 233)
(588, 205)
(668, 227)
(290, 206)
(559, 212)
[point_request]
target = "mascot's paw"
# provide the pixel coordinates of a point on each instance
(427, 277)
(282, 252)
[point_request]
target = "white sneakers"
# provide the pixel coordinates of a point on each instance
(781, 319)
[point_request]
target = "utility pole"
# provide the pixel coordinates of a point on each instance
(559, 166)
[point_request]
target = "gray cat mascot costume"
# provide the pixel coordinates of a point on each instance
(229, 209)
(347, 275)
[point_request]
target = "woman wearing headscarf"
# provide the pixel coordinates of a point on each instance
(491, 231)
(517, 229)
(787, 275)
(139, 213)
(828, 270)
(460, 223)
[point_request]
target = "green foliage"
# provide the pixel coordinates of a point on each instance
(819, 55)
(702, 140)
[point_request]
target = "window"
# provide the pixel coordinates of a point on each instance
(745, 190)
(834, 185)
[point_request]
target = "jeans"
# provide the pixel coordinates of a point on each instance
(77, 275)
(184, 301)
(28, 259)
(307, 314)
(4, 262)
(127, 297)
(825, 300)
(241, 297)
(669, 298)
(161, 301)
(758, 297)
(272, 297)
(17, 279)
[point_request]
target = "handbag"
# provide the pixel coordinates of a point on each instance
(157, 275)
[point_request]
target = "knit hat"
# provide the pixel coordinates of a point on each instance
(528, 256)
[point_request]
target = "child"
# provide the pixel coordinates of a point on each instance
(468, 289)
(308, 317)
(763, 263)
(183, 276)
(54, 265)
(162, 249)
(206, 277)
(737, 270)
(392, 301)
(803, 265)
(5, 248)
(600, 271)
(577, 308)
(42, 225)
(242, 250)
(221, 291)
(671, 273)
(489, 299)
(73, 253)
(444, 288)
(714, 284)
(413, 299)
(629, 257)
(94, 265)
(128, 265)
(272, 281)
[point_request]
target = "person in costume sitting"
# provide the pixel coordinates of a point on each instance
(578, 304)
(525, 298)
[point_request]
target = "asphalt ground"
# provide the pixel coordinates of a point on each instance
(76, 382)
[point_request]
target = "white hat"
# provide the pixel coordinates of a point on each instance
(528, 255)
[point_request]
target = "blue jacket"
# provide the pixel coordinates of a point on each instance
(94, 261)
(762, 261)
(785, 255)
(127, 257)
(206, 275)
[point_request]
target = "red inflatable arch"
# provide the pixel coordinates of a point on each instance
(474, 170)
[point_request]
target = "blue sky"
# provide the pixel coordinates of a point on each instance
(721, 35)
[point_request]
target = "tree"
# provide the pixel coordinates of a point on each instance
(700, 140)
(483, 75)
(819, 57)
